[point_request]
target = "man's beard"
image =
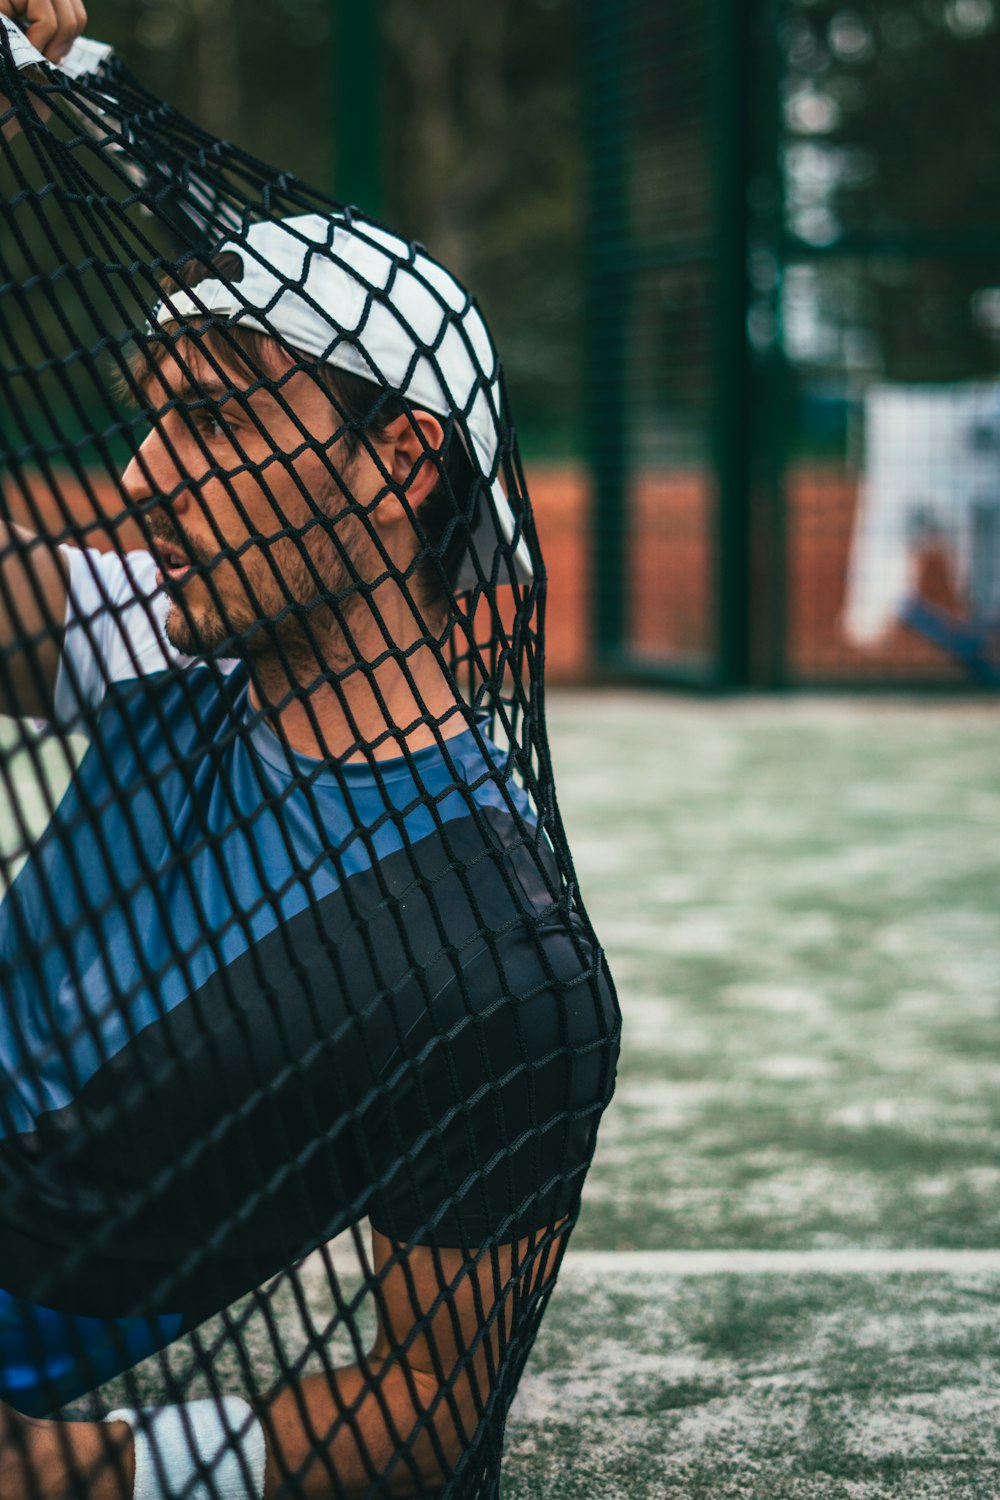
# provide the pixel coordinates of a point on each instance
(287, 606)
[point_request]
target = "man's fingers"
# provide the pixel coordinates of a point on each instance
(70, 19)
(38, 18)
(52, 25)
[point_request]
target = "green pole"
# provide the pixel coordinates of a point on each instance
(356, 75)
(731, 383)
(606, 317)
(773, 372)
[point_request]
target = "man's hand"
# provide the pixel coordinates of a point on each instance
(51, 25)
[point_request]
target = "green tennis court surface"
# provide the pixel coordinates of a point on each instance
(802, 904)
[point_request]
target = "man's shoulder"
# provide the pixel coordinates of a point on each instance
(189, 684)
(155, 722)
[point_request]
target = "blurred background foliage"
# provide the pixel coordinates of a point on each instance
(701, 232)
(890, 145)
(479, 116)
(888, 85)
(860, 133)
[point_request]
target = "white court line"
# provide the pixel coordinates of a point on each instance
(609, 1264)
(612, 1263)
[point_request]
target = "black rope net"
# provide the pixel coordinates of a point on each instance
(305, 1035)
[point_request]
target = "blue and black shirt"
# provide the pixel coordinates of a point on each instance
(250, 997)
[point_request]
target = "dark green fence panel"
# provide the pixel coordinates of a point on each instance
(666, 375)
(358, 103)
(795, 342)
(889, 167)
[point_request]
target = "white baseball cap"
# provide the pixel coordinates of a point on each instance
(362, 299)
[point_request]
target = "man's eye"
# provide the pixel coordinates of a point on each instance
(211, 424)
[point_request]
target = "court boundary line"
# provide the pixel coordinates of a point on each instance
(823, 1261)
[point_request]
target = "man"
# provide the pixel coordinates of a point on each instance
(294, 950)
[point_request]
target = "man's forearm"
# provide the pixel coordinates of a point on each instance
(33, 584)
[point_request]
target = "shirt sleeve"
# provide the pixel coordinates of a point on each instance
(114, 628)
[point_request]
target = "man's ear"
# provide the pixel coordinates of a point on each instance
(412, 447)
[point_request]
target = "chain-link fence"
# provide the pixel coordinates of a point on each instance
(795, 290)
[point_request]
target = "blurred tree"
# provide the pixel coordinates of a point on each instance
(485, 166)
(892, 137)
(481, 142)
(219, 83)
(891, 121)
(904, 97)
(257, 71)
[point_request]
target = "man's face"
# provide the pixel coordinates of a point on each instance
(259, 546)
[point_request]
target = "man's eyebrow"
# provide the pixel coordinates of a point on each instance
(158, 395)
(191, 392)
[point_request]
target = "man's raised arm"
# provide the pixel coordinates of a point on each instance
(33, 575)
(33, 584)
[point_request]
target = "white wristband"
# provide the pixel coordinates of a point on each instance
(201, 1450)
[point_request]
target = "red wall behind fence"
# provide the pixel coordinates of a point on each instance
(669, 550)
(670, 576)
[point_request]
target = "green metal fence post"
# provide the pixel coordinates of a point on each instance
(732, 388)
(356, 73)
(773, 375)
(606, 375)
